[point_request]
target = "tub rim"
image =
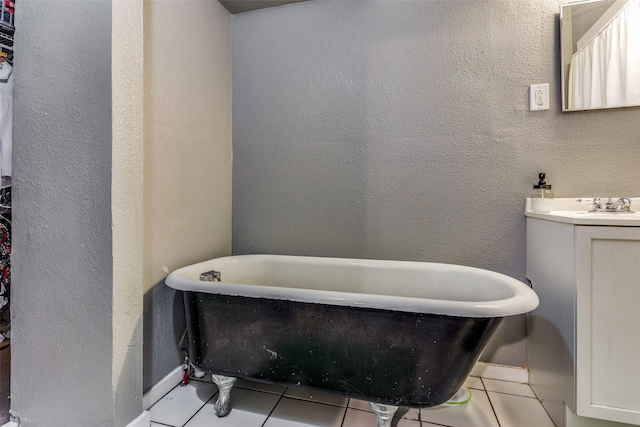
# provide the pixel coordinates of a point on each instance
(523, 298)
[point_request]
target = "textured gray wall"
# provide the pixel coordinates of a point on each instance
(61, 263)
(401, 130)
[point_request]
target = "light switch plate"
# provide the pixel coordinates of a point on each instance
(539, 97)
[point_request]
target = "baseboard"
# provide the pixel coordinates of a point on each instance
(500, 372)
(162, 387)
(144, 420)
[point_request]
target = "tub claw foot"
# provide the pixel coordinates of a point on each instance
(384, 413)
(224, 384)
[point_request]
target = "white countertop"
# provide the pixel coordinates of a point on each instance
(572, 211)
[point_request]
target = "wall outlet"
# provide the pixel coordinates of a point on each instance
(539, 97)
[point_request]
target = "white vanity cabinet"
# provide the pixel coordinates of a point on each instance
(584, 339)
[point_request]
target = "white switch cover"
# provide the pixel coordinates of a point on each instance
(539, 97)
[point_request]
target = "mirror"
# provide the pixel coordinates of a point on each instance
(600, 46)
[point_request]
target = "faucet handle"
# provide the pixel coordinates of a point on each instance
(624, 203)
(596, 203)
(609, 205)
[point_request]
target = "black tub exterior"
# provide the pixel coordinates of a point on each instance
(382, 356)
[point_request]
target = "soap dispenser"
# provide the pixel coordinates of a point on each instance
(542, 196)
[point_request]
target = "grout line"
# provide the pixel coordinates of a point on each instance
(432, 422)
(539, 400)
(512, 394)
(344, 416)
(500, 372)
(151, 396)
(163, 396)
(491, 404)
(235, 386)
(547, 412)
(534, 393)
(306, 399)
(535, 396)
(394, 418)
(199, 409)
(260, 391)
(316, 402)
(274, 407)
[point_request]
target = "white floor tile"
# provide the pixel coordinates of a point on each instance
(157, 425)
(476, 413)
(508, 387)
(518, 411)
(298, 413)
(249, 408)
(406, 413)
(360, 404)
(259, 386)
(182, 403)
(316, 396)
(474, 382)
(357, 418)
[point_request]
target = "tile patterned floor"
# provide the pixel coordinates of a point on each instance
(493, 404)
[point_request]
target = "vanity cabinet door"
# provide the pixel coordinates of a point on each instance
(608, 323)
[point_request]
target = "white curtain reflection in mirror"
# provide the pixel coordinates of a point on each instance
(605, 72)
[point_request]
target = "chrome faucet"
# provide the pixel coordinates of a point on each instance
(621, 205)
(211, 276)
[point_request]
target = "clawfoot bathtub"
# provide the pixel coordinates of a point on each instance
(394, 333)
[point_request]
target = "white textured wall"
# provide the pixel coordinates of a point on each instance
(401, 130)
(187, 160)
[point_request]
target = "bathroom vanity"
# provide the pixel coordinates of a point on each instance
(584, 338)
